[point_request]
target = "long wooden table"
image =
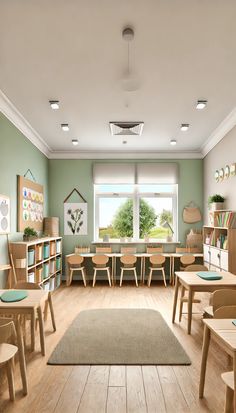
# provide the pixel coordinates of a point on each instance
(193, 283)
(225, 333)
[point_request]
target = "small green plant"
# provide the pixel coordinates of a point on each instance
(30, 232)
(215, 198)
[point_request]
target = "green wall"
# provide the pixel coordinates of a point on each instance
(64, 175)
(17, 154)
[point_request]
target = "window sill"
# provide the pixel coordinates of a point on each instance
(135, 242)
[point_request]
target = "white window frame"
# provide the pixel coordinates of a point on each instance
(136, 195)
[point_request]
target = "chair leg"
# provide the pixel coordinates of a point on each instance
(136, 278)
(51, 310)
(164, 275)
(83, 276)
(94, 276)
(109, 277)
(229, 400)
(70, 277)
(181, 303)
(10, 378)
(121, 276)
(45, 312)
(150, 278)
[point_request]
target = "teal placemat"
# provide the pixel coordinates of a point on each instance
(12, 296)
(209, 275)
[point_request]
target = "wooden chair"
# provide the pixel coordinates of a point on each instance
(128, 262)
(154, 250)
(183, 297)
(74, 262)
(228, 379)
(181, 250)
(220, 298)
(157, 264)
(128, 250)
(100, 262)
(185, 261)
(8, 351)
(103, 250)
(195, 250)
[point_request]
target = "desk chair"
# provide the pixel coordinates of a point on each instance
(185, 261)
(228, 379)
(128, 262)
(100, 262)
(220, 298)
(103, 250)
(183, 297)
(128, 250)
(74, 262)
(154, 250)
(157, 264)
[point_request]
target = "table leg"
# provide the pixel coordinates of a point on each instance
(52, 311)
(141, 270)
(21, 352)
(175, 298)
(234, 369)
(32, 330)
(205, 347)
(41, 330)
(114, 269)
(170, 270)
(173, 270)
(190, 305)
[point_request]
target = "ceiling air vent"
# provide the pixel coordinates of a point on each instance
(126, 128)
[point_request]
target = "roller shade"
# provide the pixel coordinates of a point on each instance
(113, 173)
(157, 173)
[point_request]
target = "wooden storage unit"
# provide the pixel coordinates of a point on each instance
(219, 242)
(41, 257)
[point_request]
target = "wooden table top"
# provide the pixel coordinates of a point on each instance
(34, 299)
(224, 329)
(192, 279)
(137, 254)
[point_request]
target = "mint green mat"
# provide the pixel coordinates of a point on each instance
(209, 275)
(13, 296)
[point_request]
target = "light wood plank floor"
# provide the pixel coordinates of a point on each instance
(118, 389)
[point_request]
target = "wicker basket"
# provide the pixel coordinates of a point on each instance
(51, 226)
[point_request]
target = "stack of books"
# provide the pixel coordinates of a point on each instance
(226, 219)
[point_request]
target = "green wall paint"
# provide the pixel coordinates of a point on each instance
(64, 175)
(17, 154)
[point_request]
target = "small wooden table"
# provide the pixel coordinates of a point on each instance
(225, 332)
(193, 283)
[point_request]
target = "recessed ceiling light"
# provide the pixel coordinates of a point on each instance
(75, 142)
(184, 127)
(201, 104)
(65, 127)
(54, 104)
(173, 142)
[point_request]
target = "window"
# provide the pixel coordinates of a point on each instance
(136, 211)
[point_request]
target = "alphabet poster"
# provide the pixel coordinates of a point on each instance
(30, 204)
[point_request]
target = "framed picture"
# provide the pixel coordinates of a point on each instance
(4, 214)
(75, 218)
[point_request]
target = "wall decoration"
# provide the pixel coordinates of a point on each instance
(75, 216)
(4, 214)
(30, 204)
(233, 169)
(217, 176)
(227, 172)
(191, 213)
(221, 174)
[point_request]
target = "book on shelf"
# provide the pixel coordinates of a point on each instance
(226, 219)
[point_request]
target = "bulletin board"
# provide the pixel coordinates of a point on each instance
(30, 204)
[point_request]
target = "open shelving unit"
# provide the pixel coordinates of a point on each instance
(219, 241)
(39, 261)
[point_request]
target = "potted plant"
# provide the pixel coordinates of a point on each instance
(29, 234)
(216, 202)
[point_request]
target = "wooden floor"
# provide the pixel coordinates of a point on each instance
(118, 389)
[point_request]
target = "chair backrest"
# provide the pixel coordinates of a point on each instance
(100, 260)
(128, 250)
(157, 260)
(7, 331)
(154, 250)
(128, 260)
(221, 298)
(103, 250)
(181, 250)
(187, 259)
(228, 311)
(27, 286)
(195, 249)
(75, 260)
(196, 267)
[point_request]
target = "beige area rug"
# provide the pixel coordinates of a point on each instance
(119, 336)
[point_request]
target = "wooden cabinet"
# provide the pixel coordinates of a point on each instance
(219, 247)
(39, 261)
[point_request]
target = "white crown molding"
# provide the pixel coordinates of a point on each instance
(15, 117)
(219, 133)
(124, 155)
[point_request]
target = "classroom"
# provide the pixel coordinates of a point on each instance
(117, 206)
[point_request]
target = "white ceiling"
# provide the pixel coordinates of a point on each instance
(73, 51)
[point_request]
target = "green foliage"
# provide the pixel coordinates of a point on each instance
(123, 220)
(215, 198)
(30, 232)
(166, 216)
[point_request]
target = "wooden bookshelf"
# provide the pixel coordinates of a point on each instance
(39, 261)
(219, 241)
